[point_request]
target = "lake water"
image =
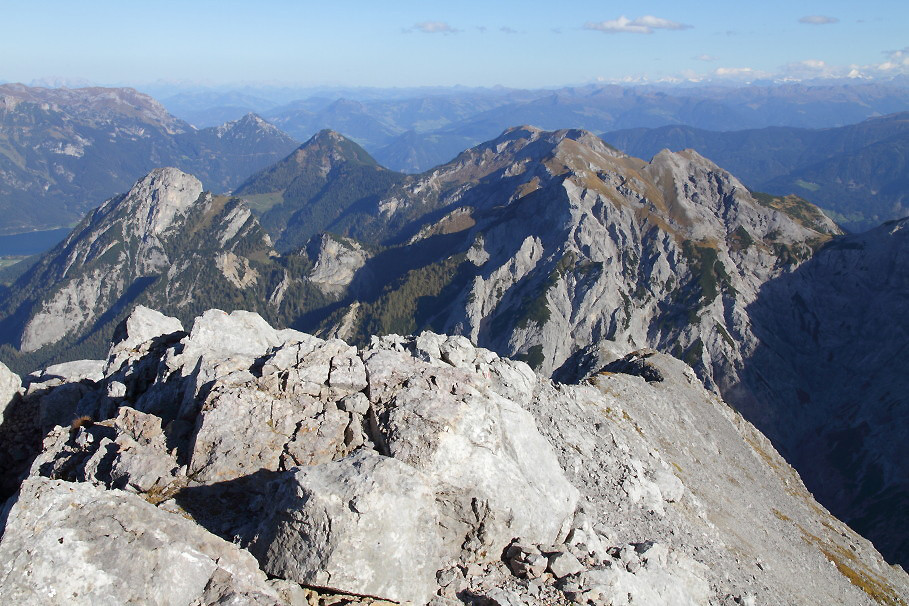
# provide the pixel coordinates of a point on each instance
(32, 243)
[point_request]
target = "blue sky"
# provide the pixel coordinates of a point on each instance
(427, 43)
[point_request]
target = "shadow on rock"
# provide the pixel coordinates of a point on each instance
(229, 509)
(829, 378)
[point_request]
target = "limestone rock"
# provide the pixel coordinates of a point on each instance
(636, 364)
(67, 543)
(239, 432)
(483, 447)
(336, 262)
(139, 328)
(365, 524)
(73, 372)
(680, 582)
(671, 488)
(564, 563)
(238, 337)
(319, 439)
(10, 383)
(143, 462)
(128, 452)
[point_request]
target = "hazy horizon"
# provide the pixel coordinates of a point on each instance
(414, 44)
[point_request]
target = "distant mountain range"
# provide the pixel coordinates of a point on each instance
(63, 150)
(414, 130)
(858, 172)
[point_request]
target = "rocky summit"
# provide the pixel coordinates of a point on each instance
(238, 463)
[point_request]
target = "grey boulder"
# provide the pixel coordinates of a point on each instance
(366, 524)
(74, 543)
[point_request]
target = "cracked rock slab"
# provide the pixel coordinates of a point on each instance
(67, 543)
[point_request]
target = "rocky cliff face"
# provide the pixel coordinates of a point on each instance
(557, 242)
(828, 380)
(420, 469)
(162, 242)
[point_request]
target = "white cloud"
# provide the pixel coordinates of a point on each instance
(433, 27)
(818, 20)
(740, 73)
(733, 71)
(894, 63)
(657, 23)
(620, 25)
(810, 68)
(897, 58)
(641, 25)
(704, 57)
(813, 64)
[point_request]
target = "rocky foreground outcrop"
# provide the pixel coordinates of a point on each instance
(241, 464)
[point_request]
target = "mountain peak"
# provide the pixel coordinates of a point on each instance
(311, 188)
(322, 153)
(252, 117)
(160, 196)
(327, 134)
(684, 159)
(332, 142)
(526, 134)
(328, 149)
(250, 124)
(523, 129)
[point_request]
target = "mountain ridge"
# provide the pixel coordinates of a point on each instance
(553, 248)
(851, 170)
